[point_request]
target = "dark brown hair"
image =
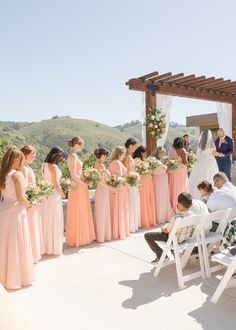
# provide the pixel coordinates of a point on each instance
(185, 199)
(55, 156)
(206, 186)
(100, 151)
(178, 143)
(10, 156)
(130, 142)
(139, 152)
(75, 140)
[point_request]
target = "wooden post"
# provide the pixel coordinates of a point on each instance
(150, 141)
(234, 126)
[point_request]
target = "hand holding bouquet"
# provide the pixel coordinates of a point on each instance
(46, 188)
(92, 177)
(172, 164)
(33, 194)
(133, 179)
(142, 167)
(116, 181)
(65, 185)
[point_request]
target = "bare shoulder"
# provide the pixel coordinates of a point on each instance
(17, 176)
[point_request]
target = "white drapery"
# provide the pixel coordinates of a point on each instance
(143, 119)
(224, 115)
(164, 103)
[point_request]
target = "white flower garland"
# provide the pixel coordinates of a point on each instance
(156, 122)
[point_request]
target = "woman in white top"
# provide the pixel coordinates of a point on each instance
(206, 166)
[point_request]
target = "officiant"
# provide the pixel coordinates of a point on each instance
(224, 149)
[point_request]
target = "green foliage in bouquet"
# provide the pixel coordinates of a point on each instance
(116, 181)
(133, 179)
(89, 161)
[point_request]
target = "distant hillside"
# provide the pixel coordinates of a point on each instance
(58, 130)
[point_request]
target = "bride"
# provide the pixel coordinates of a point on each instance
(206, 166)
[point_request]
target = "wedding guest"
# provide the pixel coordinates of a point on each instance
(119, 200)
(147, 194)
(224, 148)
(184, 205)
(164, 210)
(186, 143)
(102, 216)
(134, 193)
(178, 178)
(16, 261)
(34, 212)
(52, 212)
(205, 190)
(225, 195)
(79, 221)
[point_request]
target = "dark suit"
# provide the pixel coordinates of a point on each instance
(226, 148)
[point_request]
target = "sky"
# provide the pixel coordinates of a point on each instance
(73, 57)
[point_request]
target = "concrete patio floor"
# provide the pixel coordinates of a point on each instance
(111, 286)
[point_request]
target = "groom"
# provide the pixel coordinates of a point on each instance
(224, 150)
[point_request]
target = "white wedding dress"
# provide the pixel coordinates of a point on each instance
(205, 168)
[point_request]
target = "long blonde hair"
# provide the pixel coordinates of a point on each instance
(75, 140)
(10, 156)
(117, 152)
(157, 152)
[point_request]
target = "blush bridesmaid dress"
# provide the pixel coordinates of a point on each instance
(119, 204)
(79, 220)
(34, 219)
(16, 261)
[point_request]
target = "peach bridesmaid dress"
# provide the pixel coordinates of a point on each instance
(34, 219)
(147, 199)
(164, 211)
(79, 221)
(134, 198)
(119, 204)
(16, 261)
(52, 217)
(102, 214)
(178, 179)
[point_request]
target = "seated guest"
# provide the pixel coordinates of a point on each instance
(200, 208)
(184, 205)
(225, 196)
(205, 190)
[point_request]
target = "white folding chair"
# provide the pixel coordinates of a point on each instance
(179, 248)
(230, 263)
(214, 238)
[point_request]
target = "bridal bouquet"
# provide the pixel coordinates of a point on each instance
(142, 167)
(46, 188)
(172, 164)
(192, 160)
(33, 194)
(153, 163)
(92, 177)
(156, 122)
(133, 179)
(65, 185)
(116, 181)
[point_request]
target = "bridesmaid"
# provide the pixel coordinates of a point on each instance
(34, 213)
(178, 179)
(102, 216)
(164, 210)
(79, 221)
(119, 200)
(52, 211)
(134, 193)
(147, 195)
(16, 262)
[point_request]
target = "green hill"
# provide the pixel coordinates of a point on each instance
(58, 130)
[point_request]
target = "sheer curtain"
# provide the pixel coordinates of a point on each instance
(224, 115)
(164, 103)
(143, 118)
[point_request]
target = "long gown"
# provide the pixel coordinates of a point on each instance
(79, 221)
(178, 180)
(147, 200)
(34, 219)
(164, 211)
(134, 198)
(16, 261)
(205, 168)
(102, 214)
(119, 204)
(52, 217)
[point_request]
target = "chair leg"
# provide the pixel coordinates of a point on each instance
(160, 263)
(201, 258)
(206, 257)
(224, 281)
(178, 264)
(185, 257)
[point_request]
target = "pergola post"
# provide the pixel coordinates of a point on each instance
(233, 128)
(150, 101)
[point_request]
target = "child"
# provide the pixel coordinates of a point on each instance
(184, 205)
(205, 189)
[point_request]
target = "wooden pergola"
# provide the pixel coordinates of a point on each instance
(201, 88)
